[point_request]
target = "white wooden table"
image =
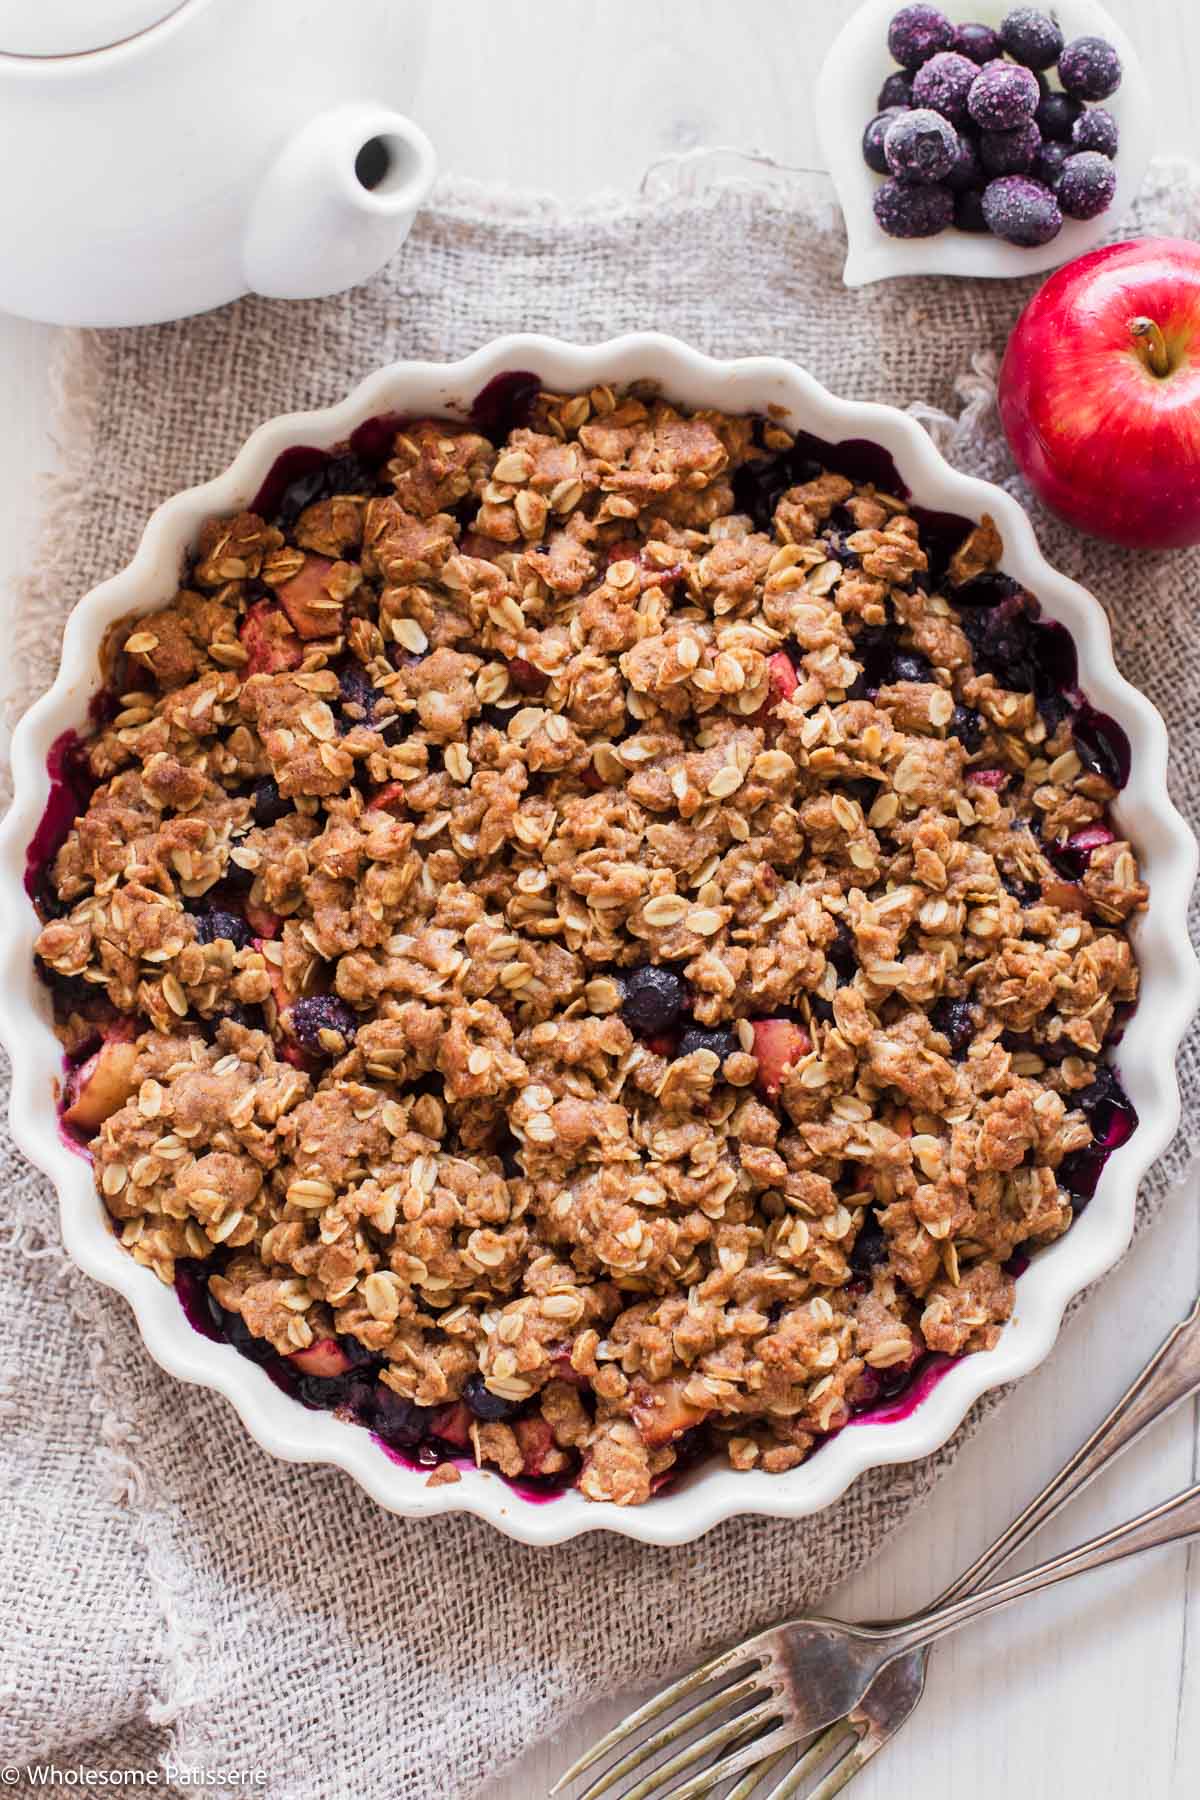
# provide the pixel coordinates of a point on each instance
(1094, 1690)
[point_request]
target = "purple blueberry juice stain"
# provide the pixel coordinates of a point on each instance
(505, 404)
(71, 788)
(921, 1383)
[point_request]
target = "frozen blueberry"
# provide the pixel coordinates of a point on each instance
(967, 726)
(965, 171)
(217, 923)
(920, 146)
(968, 210)
(1056, 115)
(1090, 68)
(979, 42)
(1010, 152)
(1086, 185)
(896, 91)
(943, 83)
(269, 804)
(1096, 129)
(1002, 95)
(1021, 211)
(323, 1024)
(905, 210)
(654, 999)
(492, 1408)
(1031, 37)
(956, 1021)
(1049, 164)
(918, 32)
(721, 1042)
(872, 142)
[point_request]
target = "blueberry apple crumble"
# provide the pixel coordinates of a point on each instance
(587, 936)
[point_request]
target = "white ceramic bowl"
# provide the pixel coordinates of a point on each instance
(1171, 980)
(847, 88)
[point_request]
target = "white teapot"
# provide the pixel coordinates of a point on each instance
(166, 156)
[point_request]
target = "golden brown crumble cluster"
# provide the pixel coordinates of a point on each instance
(598, 939)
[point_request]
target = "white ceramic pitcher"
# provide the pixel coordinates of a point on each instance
(164, 156)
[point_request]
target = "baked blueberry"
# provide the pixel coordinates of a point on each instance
(322, 1024)
(905, 210)
(398, 1421)
(870, 1249)
(493, 1409)
(910, 665)
(943, 84)
(872, 139)
(722, 1042)
(1021, 211)
(1031, 37)
(1056, 115)
(920, 146)
(955, 1019)
(979, 42)
(1010, 152)
(918, 32)
(967, 726)
(269, 804)
(896, 91)
(1090, 68)
(655, 999)
(1086, 185)
(1003, 95)
(1096, 129)
(219, 923)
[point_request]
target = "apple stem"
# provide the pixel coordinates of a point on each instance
(1152, 345)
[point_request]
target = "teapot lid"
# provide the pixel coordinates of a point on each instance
(71, 27)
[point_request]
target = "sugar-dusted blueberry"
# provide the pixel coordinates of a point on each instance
(1031, 37)
(968, 210)
(722, 1042)
(654, 999)
(269, 804)
(1096, 129)
(896, 91)
(943, 84)
(872, 139)
(1002, 95)
(918, 32)
(1090, 68)
(219, 923)
(955, 1019)
(1021, 211)
(323, 1024)
(1049, 164)
(1056, 115)
(493, 1409)
(1010, 152)
(905, 210)
(1086, 185)
(967, 726)
(979, 42)
(965, 171)
(920, 146)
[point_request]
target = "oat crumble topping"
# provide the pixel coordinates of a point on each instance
(599, 943)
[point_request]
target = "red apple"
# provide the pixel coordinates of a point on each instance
(1100, 393)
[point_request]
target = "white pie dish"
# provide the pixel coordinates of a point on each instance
(711, 1493)
(847, 88)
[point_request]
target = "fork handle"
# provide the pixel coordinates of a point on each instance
(1171, 1375)
(1168, 1523)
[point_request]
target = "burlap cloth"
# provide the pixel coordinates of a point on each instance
(166, 1589)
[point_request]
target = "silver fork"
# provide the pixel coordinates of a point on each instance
(858, 1684)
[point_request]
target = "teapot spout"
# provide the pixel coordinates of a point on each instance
(337, 202)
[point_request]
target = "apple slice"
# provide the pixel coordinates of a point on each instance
(452, 1424)
(661, 1413)
(389, 799)
(101, 1086)
(783, 678)
(269, 641)
(307, 602)
(778, 1043)
(325, 1358)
